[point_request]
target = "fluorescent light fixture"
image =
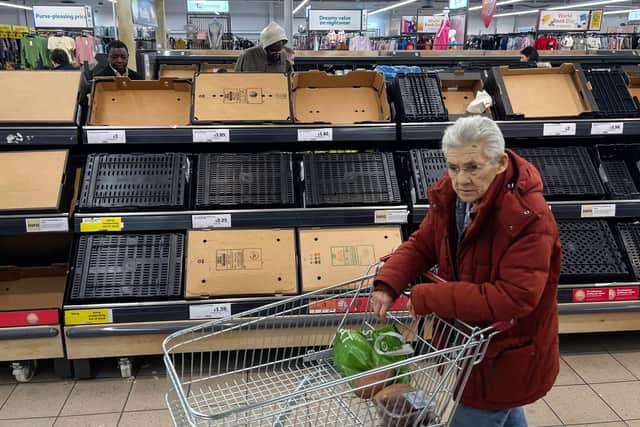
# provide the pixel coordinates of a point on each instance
(300, 6)
(586, 4)
(522, 12)
(500, 3)
(616, 12)
(15, 6)
(393, 6)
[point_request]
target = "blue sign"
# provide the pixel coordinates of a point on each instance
(458, 4)
(634, 15)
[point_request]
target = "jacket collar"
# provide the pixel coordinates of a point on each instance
(504, 199)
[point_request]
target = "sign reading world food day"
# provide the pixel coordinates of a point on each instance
(63, 16)
(563, 20)
(326, 19)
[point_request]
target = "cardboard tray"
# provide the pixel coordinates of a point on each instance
(23, 190)
(329, 256)
(29, 288)
(47, 97)
(536, 93)
(169, 71)
(634, 83)
(241, 262)
(459, 88)
(357, 97)
(122, 102)
(214, 68)
(241, 98)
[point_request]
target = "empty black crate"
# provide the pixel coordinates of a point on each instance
(567, 172)
(418, 98)
(350, 179)
(610, 91)
(618, 169)
(122, 181)
(128, 266)
(427, 166)
(630, 234)
(590, 252)
(246, 180)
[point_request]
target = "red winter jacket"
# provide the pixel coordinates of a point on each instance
(509, 265)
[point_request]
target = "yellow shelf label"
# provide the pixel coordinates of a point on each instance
(20, 29)
(93, 316)
(6, 28)
(91, 225)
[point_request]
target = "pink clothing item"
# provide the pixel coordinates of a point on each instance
(441, 41)
(84, 50)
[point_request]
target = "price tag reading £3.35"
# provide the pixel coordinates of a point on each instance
(616, 128)
(211, 135)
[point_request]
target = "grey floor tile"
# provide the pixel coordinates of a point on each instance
(147, 393)
(598, 368)
(630, 360)
(5, 391)
(540, 415)
(624, 398)
(97, 397)
(28, 422)
(146, 418)
(36, 400)
(577, 404)
(99, 420)
(567, 375)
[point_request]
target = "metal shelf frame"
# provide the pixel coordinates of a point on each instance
(27, 136)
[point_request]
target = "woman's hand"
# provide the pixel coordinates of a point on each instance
(381, 302)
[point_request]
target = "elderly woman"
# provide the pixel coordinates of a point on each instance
(495, 242)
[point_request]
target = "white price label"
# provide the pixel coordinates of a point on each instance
(616, 128)
(324, 134)
(106, 137)
(209, 311)
(559, 129)
(211, 135)
(211, 221)
(392, 216)
(41, 225)
(598, 211)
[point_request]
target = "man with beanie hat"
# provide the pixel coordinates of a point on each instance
(270, 56)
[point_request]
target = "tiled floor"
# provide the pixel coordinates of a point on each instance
(598, 385)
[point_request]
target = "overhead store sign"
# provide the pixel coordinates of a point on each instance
(325, 20)
(634, 15)
(595, 20)
(488, 10)
(458, 4)
(207, 6)
(563, 20)
(429, 24)
(63, 16)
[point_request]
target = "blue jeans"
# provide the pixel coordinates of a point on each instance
(469, 417)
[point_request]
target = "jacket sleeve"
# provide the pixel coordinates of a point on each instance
(522, 276)
(240, 63)
(415, 256)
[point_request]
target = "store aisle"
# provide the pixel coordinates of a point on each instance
(599, 385)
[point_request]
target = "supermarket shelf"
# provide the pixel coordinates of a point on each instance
(185, 220)
(621, 209)
(34, 223)
(30, 332)
(38, 136)
(524, 128)
(594, 308)
(249, 134)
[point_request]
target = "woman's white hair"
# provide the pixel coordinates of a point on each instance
(475, 129)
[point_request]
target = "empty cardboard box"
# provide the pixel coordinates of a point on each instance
(123, 102)
(241, 262)
(334, 255)
(214, 68)
(39, 96)
(357, 97)
(241, 97)
(168, 71)
(535, 93)
(458, 90)
(634, 83)
(29, 288)
(21, 188)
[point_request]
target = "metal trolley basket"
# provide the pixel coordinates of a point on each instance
(273, 366)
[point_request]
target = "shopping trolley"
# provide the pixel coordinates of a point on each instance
(273, 365)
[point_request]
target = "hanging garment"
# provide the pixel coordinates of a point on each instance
(85, 50)
(34, 54)
(441, 41)
(65, 43)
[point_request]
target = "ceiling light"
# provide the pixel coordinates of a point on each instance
(500, 3)
(300, 6)
(393, 6)
(587, 4)
(523, 12)
(16, 6)
(615, 12)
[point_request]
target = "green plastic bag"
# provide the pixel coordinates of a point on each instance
(359, 351)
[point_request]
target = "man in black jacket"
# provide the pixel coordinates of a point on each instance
(117, 61)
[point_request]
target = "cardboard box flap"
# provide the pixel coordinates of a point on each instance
(241, 97)
(177, 71)
(213, 68)
(458, 93)
(357, 97)
(22, 189)
(123, 102)
(634, 83)
(241, 262)
(547, 92)
(11, 273)
(30, 293)
(39, 96)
